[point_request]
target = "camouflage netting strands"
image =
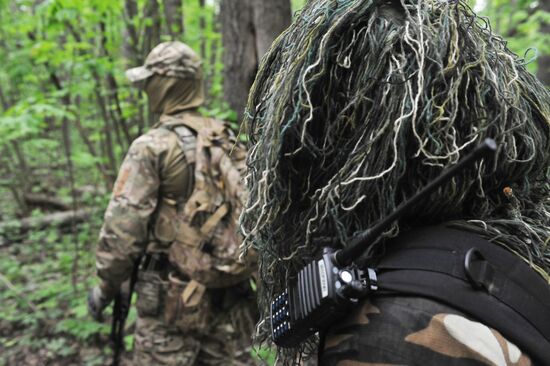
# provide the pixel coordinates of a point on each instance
(361, 103)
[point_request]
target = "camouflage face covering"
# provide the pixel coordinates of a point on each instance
(168, 95)
(171, 59)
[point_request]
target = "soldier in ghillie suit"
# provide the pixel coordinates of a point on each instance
(174, 211)
(356, 107)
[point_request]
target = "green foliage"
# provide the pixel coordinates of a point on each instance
(44, 310)
(298, 4)
(222, 112)
(265, 354)
(82, 330)
(520, 23)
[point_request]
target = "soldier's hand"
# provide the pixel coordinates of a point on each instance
(98, 300)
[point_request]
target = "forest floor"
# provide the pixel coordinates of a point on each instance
(44, 278)
(45, 275)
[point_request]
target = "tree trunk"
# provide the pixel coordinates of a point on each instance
(216, 54)
(12, 180)
(202, 29)
(115, 109)
(57, 219)
(130, 45)
(173, 11)
(151, 39)
(152, 31)
(3, 100)
(239, 57)
(543, 71)
(46, 202)
(271, 18)
(248, 28)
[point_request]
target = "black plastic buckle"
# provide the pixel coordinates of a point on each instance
(155, 262)
(373, 279)
(478, 270)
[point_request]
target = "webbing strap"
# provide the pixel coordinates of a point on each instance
(496, 282)
(210, 224)
(187, 141)
(193, 293)
(498, 288)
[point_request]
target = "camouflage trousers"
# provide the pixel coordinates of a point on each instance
(415, 331)
(224, 339)
(157, 343)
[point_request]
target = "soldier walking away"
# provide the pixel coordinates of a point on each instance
(173, 216)
(356, 108)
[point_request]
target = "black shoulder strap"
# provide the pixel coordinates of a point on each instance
(474, 276)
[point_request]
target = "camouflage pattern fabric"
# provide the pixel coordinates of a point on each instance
(172, 59)
(180, 321)
(415, 331)
(158, 342)
(158, 173)
(210, 215)
(154, 163)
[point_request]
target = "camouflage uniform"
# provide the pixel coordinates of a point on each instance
(158, 171)
(395, 330)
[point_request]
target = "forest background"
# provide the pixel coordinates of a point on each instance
(68, 115)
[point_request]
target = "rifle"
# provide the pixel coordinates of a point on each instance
(121, 308)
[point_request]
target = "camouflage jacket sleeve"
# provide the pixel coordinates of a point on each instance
(124, 235)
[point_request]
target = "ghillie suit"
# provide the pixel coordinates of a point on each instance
(360, 103)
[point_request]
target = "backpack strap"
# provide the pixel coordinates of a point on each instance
(207, 229)
(187, 141)
(196, 123)
(187, 134)
(475, 276)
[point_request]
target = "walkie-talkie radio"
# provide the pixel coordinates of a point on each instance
(327, 288)
(321, 293)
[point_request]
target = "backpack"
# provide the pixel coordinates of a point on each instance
(207, 243)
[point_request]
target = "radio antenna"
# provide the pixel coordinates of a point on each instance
(362, 241)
